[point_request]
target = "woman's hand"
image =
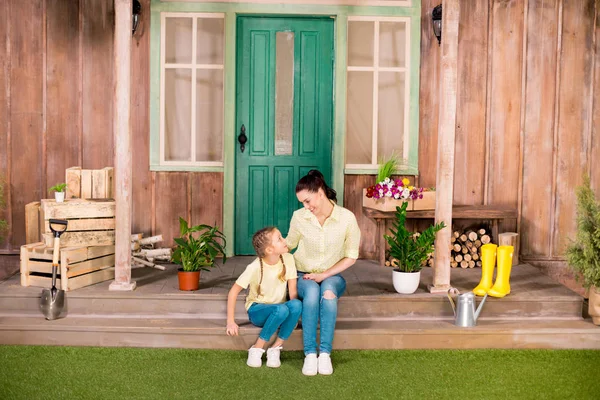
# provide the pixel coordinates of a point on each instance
(315, 277)
(232, 329)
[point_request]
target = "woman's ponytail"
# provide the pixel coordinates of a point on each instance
(313, 181)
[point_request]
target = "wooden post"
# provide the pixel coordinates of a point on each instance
(445, 152)
(510, 239)
(122, 134)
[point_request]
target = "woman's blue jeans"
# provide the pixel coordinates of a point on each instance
(273, 316)
(315, 307)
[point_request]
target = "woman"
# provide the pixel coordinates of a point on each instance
(327, 238)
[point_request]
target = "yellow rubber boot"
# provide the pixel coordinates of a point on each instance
(488, 261)
(501, 287)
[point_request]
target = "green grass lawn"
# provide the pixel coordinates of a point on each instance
(40, 372)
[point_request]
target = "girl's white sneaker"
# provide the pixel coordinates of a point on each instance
(273, 357)
(325, 367)
(310, 365)
(255, 357)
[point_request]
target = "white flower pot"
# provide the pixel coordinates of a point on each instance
(59, 196)
(406, 282)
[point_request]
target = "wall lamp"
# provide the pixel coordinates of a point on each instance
(136, 10)
(436, 18)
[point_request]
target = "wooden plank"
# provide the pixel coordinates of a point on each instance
(90, 238)
(26, 110)
(595, 131)
(98, 32)
(207, 198)
(505, 99)
(428, 97)
(78, 208)
(469, 159)
(575, 112)
(99, 251)
(85, 267)
(69, 255)
(24, 266)
(458, 212)
(73, 181)
(86, 183)
(62, 91)
(86, 224)
(5, 88)
(353, 185)
(140, 126)
(109, 182)
(32, 222)
(90, 279)
(538, 141)
(171, 203)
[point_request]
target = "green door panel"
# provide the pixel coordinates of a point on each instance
(265, 181)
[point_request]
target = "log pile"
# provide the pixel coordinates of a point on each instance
(464, 251)
(144, 253)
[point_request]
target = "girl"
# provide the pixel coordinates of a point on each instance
(327, 237)
(266, 303)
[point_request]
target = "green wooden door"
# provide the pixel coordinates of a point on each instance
(284, 101)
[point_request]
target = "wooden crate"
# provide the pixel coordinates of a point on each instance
(89, 183)
(33, 223)
(90, 222)
(82, 266)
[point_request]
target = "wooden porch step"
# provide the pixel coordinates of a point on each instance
(162, 331)
(209, 306)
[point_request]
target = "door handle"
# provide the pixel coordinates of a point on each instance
(242, 138)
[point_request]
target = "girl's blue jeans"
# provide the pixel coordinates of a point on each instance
(315, 307)
(271, 317)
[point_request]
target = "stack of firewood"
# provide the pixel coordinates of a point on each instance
(465, 248)
(144, 253)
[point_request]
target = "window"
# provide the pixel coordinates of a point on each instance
(378, 90)
(191, 97)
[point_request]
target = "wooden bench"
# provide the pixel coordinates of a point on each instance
(494, 214)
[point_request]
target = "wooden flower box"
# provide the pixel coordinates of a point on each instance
(426, 203)
(385, 204)
(78, 266)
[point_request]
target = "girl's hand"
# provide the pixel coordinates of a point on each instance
(232, 329)
(315, 277)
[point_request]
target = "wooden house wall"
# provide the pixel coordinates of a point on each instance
(526, 130)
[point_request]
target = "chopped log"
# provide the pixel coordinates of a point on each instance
(456, 234)
(387, 263)
(471, 264)
(453, 264)
(467, 257)
(147, 263)
(472, 236)
(151, 240)
(475, 256)
(135, 246)
(464, 264)
(469, 244)
(136, 236)
(485, 239)
(153, 253)
(481, 232)
(478, 263)
(457, 247)
(463, 238)
(464, 249)
(458, 257)
(510, 239)
(477, 243)
(394, 262)
(452, 239)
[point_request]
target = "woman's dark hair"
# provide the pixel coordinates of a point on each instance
(313, 181)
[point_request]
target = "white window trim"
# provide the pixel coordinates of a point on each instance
(376, 69)
(194, 67)
(384, 3)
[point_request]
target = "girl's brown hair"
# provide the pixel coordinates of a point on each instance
(260, 241)
(313, 181)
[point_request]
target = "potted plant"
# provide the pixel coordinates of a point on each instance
(389, 193)
(196, 250)
(583, 253)
(409, 251)
(59, 191)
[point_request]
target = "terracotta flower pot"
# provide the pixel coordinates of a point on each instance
(594, 307)
(188, 280)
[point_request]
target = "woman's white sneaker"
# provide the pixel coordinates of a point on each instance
(325, 367)
(273, 357)
(310, 365)
(255, 357)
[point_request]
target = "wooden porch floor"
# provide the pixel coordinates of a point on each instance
(539, 313)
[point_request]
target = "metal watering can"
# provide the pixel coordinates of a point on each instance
(465, 314)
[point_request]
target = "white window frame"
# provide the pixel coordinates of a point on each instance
(194, 67)
(368, 3)
(376, 69)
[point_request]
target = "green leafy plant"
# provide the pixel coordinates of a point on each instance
(198, 246)
(388, 168)
(409, 249)
(59, 187)
(3, 223)
(583, 253)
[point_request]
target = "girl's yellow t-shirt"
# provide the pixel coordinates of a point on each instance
(273, 289)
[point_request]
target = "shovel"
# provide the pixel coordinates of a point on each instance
(53, 299)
